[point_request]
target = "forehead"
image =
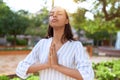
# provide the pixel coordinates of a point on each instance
(57, 9)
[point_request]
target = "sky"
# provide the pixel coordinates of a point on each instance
(35, 5)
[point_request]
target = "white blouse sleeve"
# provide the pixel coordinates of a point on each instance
(32, 58)
(83, 63)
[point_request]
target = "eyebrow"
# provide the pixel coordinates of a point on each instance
(53, 11)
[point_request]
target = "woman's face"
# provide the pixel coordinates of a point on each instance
(57, 17)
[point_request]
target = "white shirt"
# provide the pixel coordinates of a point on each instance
(71, 55)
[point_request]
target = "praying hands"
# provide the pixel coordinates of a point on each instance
(52, 58)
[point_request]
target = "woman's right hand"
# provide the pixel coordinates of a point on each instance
(48, 64)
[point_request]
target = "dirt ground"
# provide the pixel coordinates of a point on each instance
(8, 63)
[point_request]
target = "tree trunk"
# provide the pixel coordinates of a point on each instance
(14, 42)
(97, 43)
(111, 40)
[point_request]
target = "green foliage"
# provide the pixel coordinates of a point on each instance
(100, 35)
(4, 77)
(107, 70)
(22, 22)
(18, 41)
(39, 23)
(10, 39)
(12, 23)
(21, 42)
(4, 12)
(117, 23)
(17, 24)
(78, 18)
(97, 29)
(106, 16)
(32, 77)
(109, 9)
(15, 78)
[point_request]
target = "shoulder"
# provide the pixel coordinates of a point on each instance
(44, 40)
(77, 43)
(40, 43)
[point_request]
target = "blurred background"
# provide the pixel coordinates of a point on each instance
(96, 23)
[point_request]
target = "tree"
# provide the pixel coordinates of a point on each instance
(11, 23)
(106, 19)
(78, 19)
(39, 23)
(100, 30)
(113, 12)
(4, 13)
(109, 9)
(15, 24)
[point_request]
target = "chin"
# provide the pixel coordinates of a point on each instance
(54, 26)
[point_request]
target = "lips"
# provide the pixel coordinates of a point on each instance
(54, 20)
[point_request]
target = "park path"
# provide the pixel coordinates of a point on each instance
(8, 63)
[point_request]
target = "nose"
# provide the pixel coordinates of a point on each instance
(55, 14)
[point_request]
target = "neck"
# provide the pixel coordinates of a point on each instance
(58, 33)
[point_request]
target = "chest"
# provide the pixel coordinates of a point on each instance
(58, 47)
(65, 54)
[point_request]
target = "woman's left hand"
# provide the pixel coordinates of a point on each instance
(53, 54)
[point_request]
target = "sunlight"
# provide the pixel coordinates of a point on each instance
(35, 5)
(29, 5)
(69, 5)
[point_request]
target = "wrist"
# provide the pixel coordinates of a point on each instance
(56, 66)
(46, 65)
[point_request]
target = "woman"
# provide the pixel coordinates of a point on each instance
(60, 57)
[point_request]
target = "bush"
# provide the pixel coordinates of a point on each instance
(32, 77)
(107, 70)
(4, 77)
(20, 42)
(16, 78)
